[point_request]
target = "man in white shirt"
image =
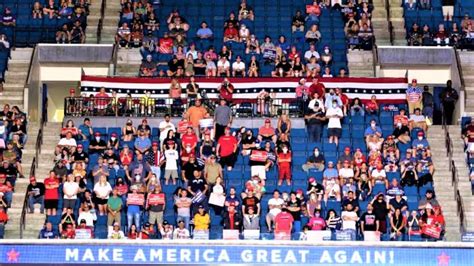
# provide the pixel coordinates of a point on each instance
(223, 67)
(379, 175)
(165, 126)
(311, 52)
(70, 190)
(181, 232)
(417, 119)
(68, 142)
(345, 172)
(274, 205)
(238, 67)
(334, 114)
(316, 104)
(349, 219)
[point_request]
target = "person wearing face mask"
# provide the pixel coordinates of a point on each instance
(401, 133)
(419, 145)
(330, 98)
(97, 145)
(113, 142)
(317, 223)
(315, 161)
(373, 129)
(334, 114)
(284, 165)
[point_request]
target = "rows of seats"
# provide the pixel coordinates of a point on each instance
(29, 31)
(272, 18)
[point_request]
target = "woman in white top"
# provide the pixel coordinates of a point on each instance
(102, 190)
(70, 190)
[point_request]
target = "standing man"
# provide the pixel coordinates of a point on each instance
(222, 118)
(165, 126)
(414, 96)
(449, 97)
(428, 103)
(226, 89)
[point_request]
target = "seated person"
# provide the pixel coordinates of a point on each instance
(372, 130)
(123, 36)
(417, 119)
(223, 67)
(331, 183)
(76, 34)
(419, 145)
(177, 22)
(62, 35)
(378, 175)
(148, 67)
(175, 67)
(372, 107)
(267, 132)
(165, 45)
(282, 68)
(313, 35)
(238, 67)
(231, 33)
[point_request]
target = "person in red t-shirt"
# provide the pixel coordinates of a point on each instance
(402, 118)
(231, 33)
(283, 222)
(102, 101)
(344, 100)
(51, 194)
(317, 87)
(189, 138)
(226, 149)
(284, 165)
(166, 44)
(372, 106)
(3, 220)
(267, 132)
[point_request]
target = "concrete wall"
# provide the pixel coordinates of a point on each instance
(71, 72)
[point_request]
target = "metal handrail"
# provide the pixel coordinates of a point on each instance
(101, 21)
(25, 201)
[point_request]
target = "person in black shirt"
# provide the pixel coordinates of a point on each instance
(401, 133)
(76, 34)
(187, 171)
(6, 114)
(428, 102)
(368, 220)
(97, 145)
(9, 171)
(196, 184)
(145, 127)
(297, 23)
(251, 201)
(68, 218)
(380, 210)
(199, 65)
(175, 67)
(35, 194)
(351, 200)
(294, 208)
(80, 156)
(282, 69)
(18, 129)
(449, 97)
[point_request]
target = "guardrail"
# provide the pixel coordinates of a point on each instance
(149, 107)
(25, 201)
(101, 21)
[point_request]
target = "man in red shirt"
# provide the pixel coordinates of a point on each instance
(267, 132)
(51, 194)
(166, 44)
(317, 87)
(3, 221)
(189, 138)
(102, 101)
(283, 222)
(284, 165)
(226, 149)
(231, 33)
(344, 99)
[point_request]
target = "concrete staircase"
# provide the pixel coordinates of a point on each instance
(361, 63)
(464, 184)
(442, 182)
(111, 20)
(34, 221)
(398, 22)
(380, 23)
(15, 77)
(93, 21)
(467, 66)
(128, 62)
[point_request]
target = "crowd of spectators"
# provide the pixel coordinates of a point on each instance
(173, 50)
(71, 13)
(13, 136)
(175, 181)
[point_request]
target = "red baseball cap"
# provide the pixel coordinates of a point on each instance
(347, 149)
(97, 134)
(80, 146)
(155, 143)
(414, 81)
(311, 179)
(420, 133)
(114, 134)
(32, 179)
(72, 91)
(267, 120)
